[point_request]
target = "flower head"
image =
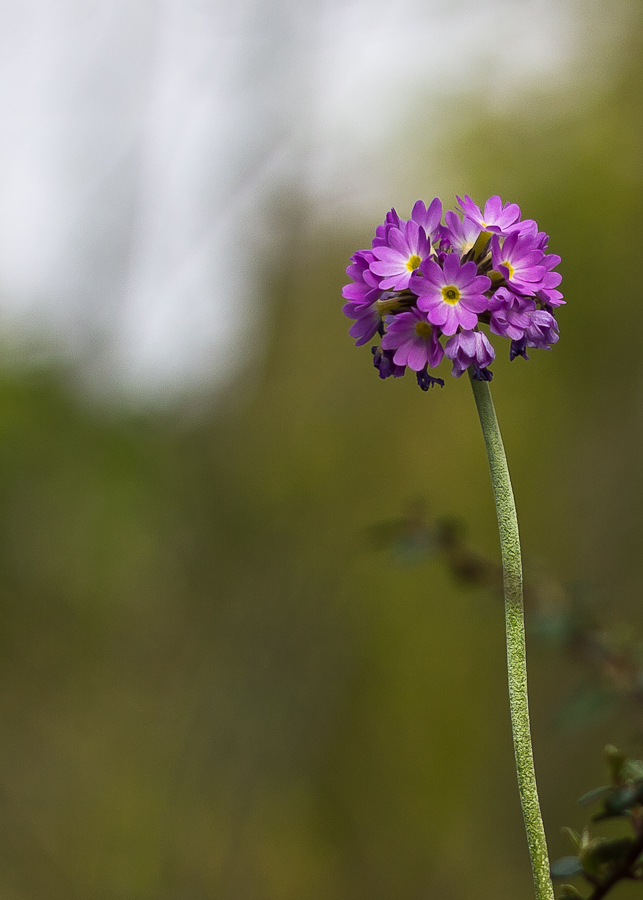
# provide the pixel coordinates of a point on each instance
(428, 288)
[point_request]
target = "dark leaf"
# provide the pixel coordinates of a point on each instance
(566, 866)
(568, 890)
(594, 795)
(603, 851)
(574, 836)
(620, 801)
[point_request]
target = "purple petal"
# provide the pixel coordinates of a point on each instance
(433, 274)
(452, 268)
(417, 357)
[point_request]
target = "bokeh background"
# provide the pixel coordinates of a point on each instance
(223, 673)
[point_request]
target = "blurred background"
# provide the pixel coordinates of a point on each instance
(235, 661)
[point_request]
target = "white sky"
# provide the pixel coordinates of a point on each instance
(143, 145)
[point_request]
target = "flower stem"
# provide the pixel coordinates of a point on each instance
(515, 626)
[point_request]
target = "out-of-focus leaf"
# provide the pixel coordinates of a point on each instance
(594, 795)
(566, 866)
(603, 851)
(633, 770)
(574, 836)
(568, 890)
(620, 801)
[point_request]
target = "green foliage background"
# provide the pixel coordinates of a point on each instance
(213, 684)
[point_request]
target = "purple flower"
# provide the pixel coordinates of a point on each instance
(451, 296)
(497, 219)
(383, 362)
(510, 313)
(548, 293)
(468, 348)
(542, 331)
(460, 234)
(422, 279)
(550, 297)
(364, 280)
(414, 340)
(519, 262)
(429, 219)
(362, 296)
(392, 220)
(367, 320)
(396, 261)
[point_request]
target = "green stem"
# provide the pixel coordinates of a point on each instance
(515, 625)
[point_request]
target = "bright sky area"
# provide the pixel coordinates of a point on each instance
(144, 144)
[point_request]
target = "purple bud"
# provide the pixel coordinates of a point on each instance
(383, 362)
(518, 348)
(469, 348)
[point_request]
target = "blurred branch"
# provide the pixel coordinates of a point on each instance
(600, 861)
(558, 615)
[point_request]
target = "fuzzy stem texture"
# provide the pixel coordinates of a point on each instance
(515, 625)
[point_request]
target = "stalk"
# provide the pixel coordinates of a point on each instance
(515, 628)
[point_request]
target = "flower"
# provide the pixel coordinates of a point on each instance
(470, 348)
(383, 362)
(402, 254)
(510, 313)
(428, 289)
(519, 261)
(459, 234)
(429, 219)
(367, 321)
(542, 330)
(452, 295)
(381, 232)
(362, 296)
(547, 294)
(497, 219)
(414, 340)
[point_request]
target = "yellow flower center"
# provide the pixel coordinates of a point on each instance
(413, 262)
(450, 294)
(510, 267)
(423, 329)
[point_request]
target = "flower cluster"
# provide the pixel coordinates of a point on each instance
(426, 287)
